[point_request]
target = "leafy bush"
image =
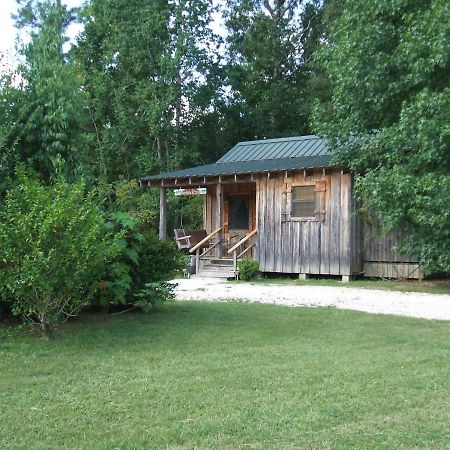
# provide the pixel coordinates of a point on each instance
(143, 204)
(117, 282)
(154, 294)
(248, 269)
(142, 260)
(158, 260)
(54, 250)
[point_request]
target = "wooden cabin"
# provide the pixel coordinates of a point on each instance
(282, 202)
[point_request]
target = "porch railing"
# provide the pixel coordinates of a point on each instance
(197, 248)
(236, 247)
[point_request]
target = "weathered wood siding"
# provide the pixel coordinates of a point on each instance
(336, 242)
(380, 258)
(323, 245)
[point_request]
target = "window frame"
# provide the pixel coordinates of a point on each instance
(314, 202)
(319, 201)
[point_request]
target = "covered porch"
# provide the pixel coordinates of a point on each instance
(229, 220)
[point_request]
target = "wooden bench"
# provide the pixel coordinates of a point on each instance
(189, 238)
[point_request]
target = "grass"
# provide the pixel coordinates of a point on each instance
(440, 286)
(228, 375)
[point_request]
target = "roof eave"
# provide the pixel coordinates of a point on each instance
(229, 177)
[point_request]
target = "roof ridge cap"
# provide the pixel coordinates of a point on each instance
(306, 137)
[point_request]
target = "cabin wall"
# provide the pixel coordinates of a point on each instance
(337, 242)
(380, 258)
(323, 245)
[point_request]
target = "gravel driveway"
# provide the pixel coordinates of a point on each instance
(412, 304)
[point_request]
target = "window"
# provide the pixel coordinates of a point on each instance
(303, 201)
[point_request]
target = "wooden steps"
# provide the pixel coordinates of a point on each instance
(216, 268)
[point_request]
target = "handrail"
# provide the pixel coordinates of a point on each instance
(206, 239)
(210, 248)
(245, 250)
(244, 239)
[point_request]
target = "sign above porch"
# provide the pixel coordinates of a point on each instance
(190, 191)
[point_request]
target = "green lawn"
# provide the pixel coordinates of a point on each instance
(228, 375)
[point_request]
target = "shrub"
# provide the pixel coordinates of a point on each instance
(248, 269)
(54, 250)
(154, 294)
(158, 260)
(143, 260)
(117, 281)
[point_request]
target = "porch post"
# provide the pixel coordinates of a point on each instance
(219, 216)
(162, 213)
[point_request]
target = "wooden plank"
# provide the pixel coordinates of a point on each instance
(219, 217)
(325, 232)
(314, 247)
(212, 208)
(304, 248)
(288, 244)
(295, 239)
(256, 250)
(357, 241)
(262, 236)
(345, 225)
(286, 231)
(287, 249)
(270, 229)
(205, 206)
(278, 231)
(392, 270)
(335, 222)
(162, 213)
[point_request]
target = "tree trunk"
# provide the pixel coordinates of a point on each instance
(158, 148)
(44, 329)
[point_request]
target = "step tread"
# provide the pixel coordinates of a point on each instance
(217, 266)
(215, 274)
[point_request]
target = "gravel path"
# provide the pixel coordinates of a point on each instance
(412, 304)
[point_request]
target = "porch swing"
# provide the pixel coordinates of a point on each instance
(188, 238)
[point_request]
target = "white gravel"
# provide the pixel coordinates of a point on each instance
(412, 304)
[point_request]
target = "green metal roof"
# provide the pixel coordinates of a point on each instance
(303, 152)
(291, 147)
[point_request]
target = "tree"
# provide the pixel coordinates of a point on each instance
(387, 119)
(270, 46)
(146, 66)
(44, 107)
(54, 252)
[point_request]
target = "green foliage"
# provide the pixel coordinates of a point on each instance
(8, 152)
(158, 260)
(45, 116)
(187, 212)
(143, 204)
(140, 60)
(154, 294)
(142, 258)
(270, 46)
(54, 250)
(248, 269)
(387, 119)
(117, 282)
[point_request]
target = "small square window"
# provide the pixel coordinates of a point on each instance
(303, 201)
